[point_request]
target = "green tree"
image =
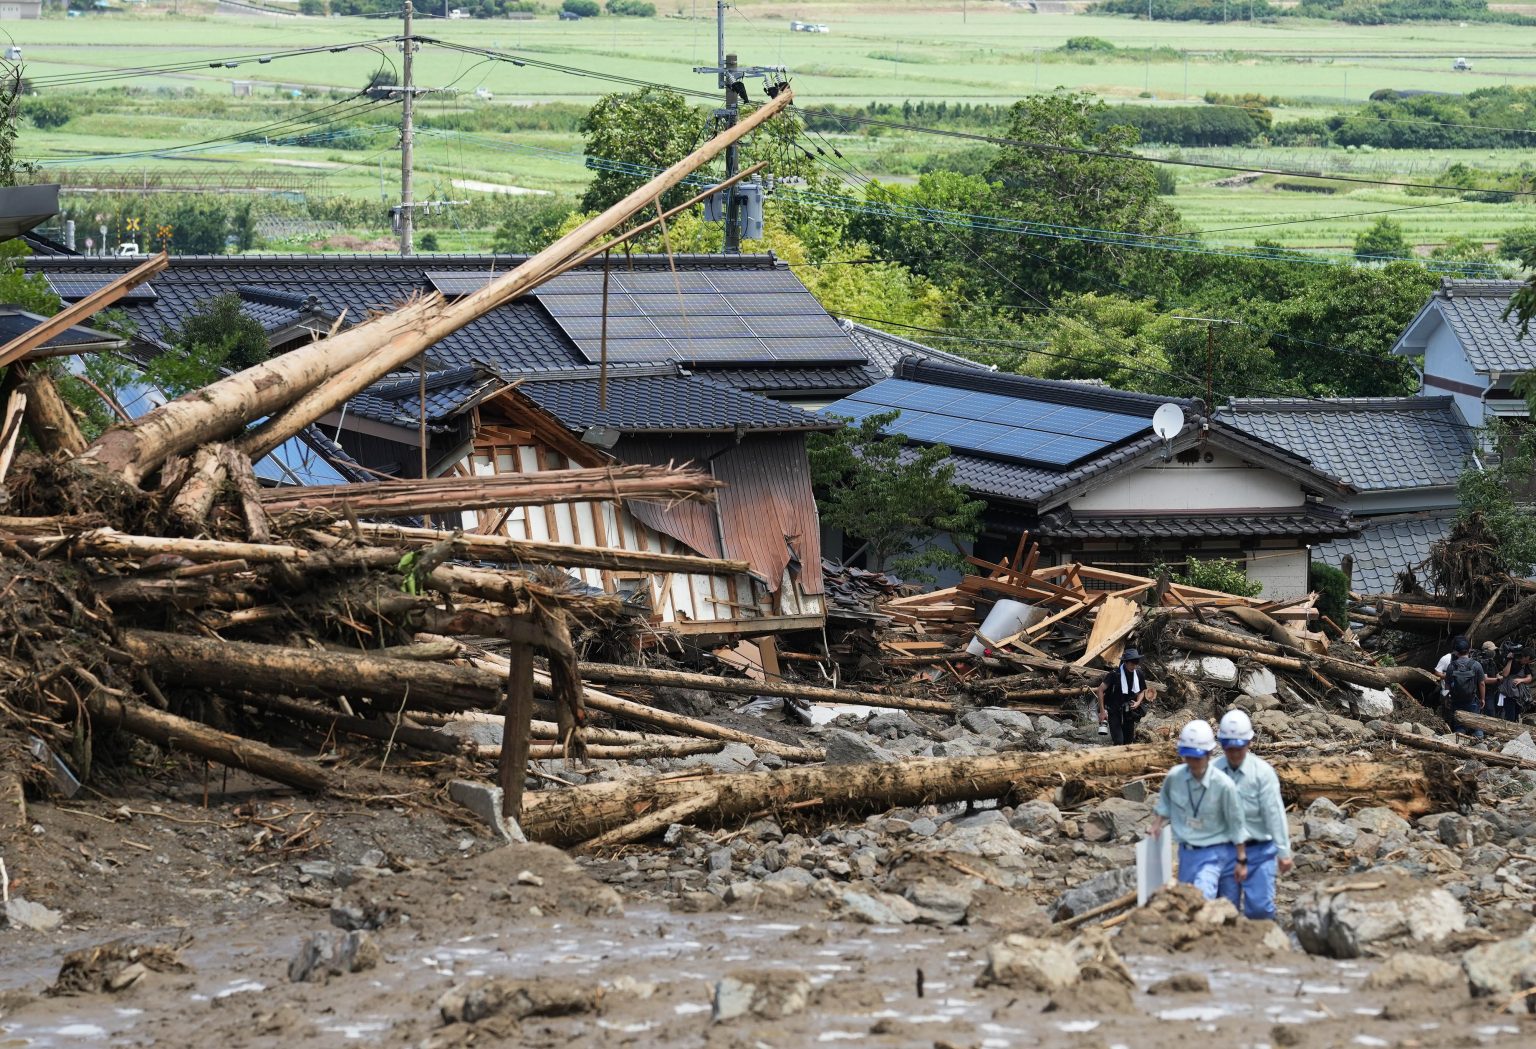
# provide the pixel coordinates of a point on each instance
(894, 498)
(1384, 240)
(1220, 573)
(11, 170)
(216, 336)
(584, 8)
(650, 128)
(1042, 180)
(1500, 491)
(530, 223)
(944, 254)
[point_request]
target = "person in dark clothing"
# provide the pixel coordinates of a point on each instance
(1464, 684)
(1121, 695)
(1515, 690)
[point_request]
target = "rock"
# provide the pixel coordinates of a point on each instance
(1182, 983)
(358, 914)
(891, 723)
(1260, 681)
(487, 996)
(769, 995)
(1216, 912)
(1049, 726)
(923, 827)
(1012, 720)
(1409, 969)
(1095, 892)
(940, 902)
(480, 733)
(24, 914)
(1323, 809)
(1464, 832)
(743, 892)
(1037, 819)
(1382, 822)
(720, 860)
(877, 908)
(1330, 832)
(484, 800)
(1502, 969)
(1117, 819)
(373, 858)
(1025, 963)
(1372, 703)
(1520, 747)
(981, 723)
(1349, 924)
(1218, 669)
(689, 702)
(733, 757)
(325, 954)
(850, 748)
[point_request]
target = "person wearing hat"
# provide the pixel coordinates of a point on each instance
(1121, 695)
(1269, 836)
(1463, 684)
(1515, 689)
(1206, 812)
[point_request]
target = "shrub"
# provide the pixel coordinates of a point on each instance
(1222, 574)
(1088, 43)
(584, 8)
(47, 111)
(632, 8)
(428, 242)
(313, 8)
(1332, 588)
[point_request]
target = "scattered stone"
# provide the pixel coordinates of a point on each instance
(1464, 832)
(1409, 969)
(484, 800)
(1330, 831)
(1095, 892)
(922, 828)
(24, 914)
(529, 878)
(358, 914)
(1369, 920)
(1182, 983)
(768, 995)
(877, 908)
(1372, 702)
(112, 966)
(850, 748)
(1117, 819)
(1520, 747)
(1503, 969)
(733, 757)
(1260, 681)
(980, 722)
(325, 954)
(1218, 669)
(1037, 819)
(1026, 963)
(940, 902)
(488, 996)
(1382, 822)
(720, 860)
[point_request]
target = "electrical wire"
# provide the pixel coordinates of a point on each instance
(188, 65)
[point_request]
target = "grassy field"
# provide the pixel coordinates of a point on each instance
(889, 52)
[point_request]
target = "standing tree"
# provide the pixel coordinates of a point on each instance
(1384, 240)
(652, 128)
(217, 335)
(895, 498)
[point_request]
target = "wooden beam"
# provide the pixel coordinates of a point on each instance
(96, 301)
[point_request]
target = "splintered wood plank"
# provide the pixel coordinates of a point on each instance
(1117, 617)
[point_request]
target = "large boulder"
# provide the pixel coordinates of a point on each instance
(853, 748)
(1095, 892)
(1028, 963)
(1372, 703)
(1117, 819)
(1409, 969)
(1379, 915)
(1037, 819)
(1503, 969)
(1217, 669)
(769, 994)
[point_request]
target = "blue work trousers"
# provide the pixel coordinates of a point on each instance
(1206, 866)
(1254, 896)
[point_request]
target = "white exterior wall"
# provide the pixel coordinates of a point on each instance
(1226, 482)
(1283, 572)
(1444, 358)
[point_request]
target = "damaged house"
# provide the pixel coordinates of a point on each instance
(697, 359)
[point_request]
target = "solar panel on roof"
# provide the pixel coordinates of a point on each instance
(72, 287)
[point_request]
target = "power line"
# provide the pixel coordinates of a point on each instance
(187, 65)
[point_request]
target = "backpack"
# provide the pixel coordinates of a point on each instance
(1461, 679)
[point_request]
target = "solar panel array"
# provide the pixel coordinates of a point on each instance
(1036, 432)
(72, 287)
(691, 316)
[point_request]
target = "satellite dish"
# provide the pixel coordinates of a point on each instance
(1168, 421)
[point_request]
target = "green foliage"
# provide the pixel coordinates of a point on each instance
(11, 169)
(1332, 587)
(1190, 125)
(312, 8)
(584, 8)
(48, 111)
(1384, 240)
(1498, 117)
(1089, 45)
(530, 223)
(632, 8)
(1518, 243)
(1079, 190)
(1187, 10)
(1221, 573)
(1388, 12)
(218, 335)
(652, 128)
(30, 291)
(428, 242)
(200, 224)
(896, 499)
(1499, 490)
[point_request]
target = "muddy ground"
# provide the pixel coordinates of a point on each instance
(891, 931)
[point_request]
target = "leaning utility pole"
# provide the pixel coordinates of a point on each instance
(407, 134)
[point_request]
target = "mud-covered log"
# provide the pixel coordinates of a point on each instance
(383, 731)
(246, 667)
(607, 673)
(1455, 750)
(47, 416)
(178, 733)
(578, 814)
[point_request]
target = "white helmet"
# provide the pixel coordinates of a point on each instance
(1196, 740)
(1235, 729)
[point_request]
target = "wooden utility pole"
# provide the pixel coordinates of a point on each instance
(407, 136)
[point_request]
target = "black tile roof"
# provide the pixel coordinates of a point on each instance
(1385, 546)
(1303, 522)
(1374, 443)
(885, 350)
(1474, 311)
(15, 321)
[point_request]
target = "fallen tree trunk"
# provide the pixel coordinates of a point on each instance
(405, 735)
(47, 416)
(247, 667)
(607, 673)
(1239, 646)
(1498, 728)
(178, 733)
(1455, 750)
(578, 814)
(454, 494)
(542, 750)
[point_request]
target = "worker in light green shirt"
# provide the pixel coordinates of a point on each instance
(1206, 813)
(1269, 836)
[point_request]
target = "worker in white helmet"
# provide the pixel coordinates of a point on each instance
(1206, 813)
(1269, 836)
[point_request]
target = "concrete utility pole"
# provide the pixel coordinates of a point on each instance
(407, 134)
